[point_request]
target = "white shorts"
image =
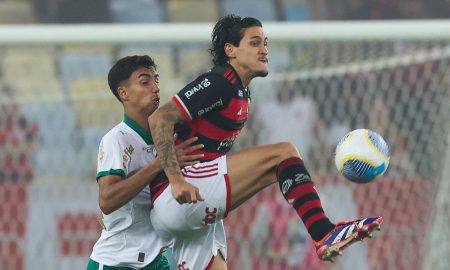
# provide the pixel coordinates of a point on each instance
(196, 230)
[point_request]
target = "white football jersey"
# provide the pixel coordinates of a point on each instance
(128, 238)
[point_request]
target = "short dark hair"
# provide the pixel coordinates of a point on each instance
(124, 67)
(229, 29)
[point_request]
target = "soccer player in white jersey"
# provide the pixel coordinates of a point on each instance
(127, 163)
(190, 203)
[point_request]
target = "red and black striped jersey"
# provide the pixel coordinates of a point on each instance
(215, 106)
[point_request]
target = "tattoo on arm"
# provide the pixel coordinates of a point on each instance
(162, 128)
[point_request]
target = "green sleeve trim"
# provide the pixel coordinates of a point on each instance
(139, 130)
(112, 171)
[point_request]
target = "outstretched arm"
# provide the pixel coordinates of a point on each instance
(162, 123)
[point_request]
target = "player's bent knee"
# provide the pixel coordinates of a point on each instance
(287, 150)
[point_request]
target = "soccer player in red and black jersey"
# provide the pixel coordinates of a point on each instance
(214, 108)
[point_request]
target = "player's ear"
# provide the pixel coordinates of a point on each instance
(229, 50)
(123, 94)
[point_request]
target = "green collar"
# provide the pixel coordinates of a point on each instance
(140, 130)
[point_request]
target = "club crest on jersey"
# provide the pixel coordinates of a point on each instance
(202, 85)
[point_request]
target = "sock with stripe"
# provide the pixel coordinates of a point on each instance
(298, 189)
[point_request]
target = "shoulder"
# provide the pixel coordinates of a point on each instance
(211, 81)
(227, 73)
(224, 73)
(216, 74)
(118, 134)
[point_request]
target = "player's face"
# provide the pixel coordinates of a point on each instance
(143, 90)
(251, 54)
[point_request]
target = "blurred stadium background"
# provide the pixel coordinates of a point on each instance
(334, 66)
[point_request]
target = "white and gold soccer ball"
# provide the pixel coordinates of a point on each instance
(362, 155)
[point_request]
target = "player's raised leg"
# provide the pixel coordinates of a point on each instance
(253, 169)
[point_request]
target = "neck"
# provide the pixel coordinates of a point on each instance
(139, 118)
(246, 81)
(243, 73)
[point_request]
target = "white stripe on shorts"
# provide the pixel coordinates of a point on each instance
(201, 170)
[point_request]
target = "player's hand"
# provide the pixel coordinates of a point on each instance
(183, 192)
(184, 149)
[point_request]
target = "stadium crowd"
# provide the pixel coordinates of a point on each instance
(106, 11)
(18, 138)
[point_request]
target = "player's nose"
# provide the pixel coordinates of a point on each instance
(264, 50)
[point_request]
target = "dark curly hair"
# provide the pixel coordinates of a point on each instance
(229, 29)
(124, 67)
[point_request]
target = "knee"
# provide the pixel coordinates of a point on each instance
(287, 150)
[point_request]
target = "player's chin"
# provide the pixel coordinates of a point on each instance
(153, 106)
(262, 70)
(152, 109)
(262, 73)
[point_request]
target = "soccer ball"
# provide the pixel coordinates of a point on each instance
(362, 155)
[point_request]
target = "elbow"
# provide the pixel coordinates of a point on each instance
(106, 211)
(105, 207)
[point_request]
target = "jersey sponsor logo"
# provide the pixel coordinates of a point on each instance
(207, 109)
(210, 216)
(227, 142)
(127, 153)
(286, 185)
(101, 154)
(202, 85)
(149, 149)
